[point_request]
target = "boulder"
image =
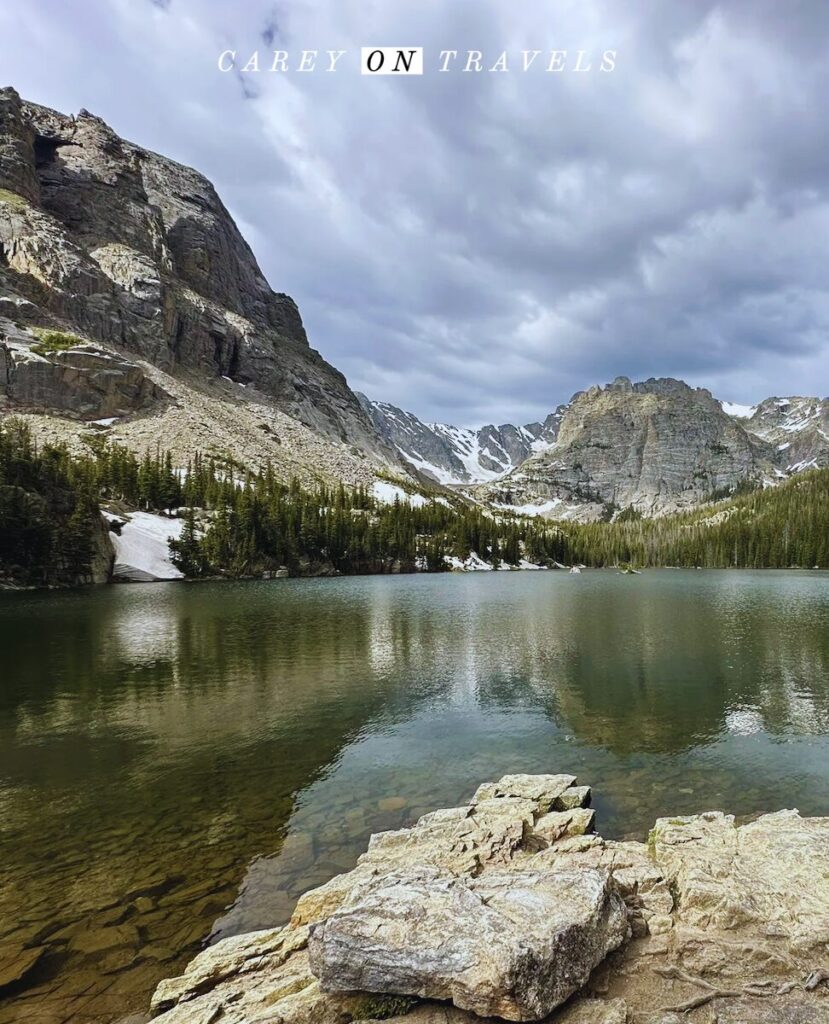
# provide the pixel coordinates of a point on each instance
(556, 824)
(513, 944)
(466, 904)
(575, 796)
(542, 790)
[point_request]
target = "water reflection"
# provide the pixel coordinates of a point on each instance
(158, 744)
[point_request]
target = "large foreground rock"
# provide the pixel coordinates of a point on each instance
(512, 944)
(728, 921)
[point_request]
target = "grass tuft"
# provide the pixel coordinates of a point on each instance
(50, 341)
(13, 199)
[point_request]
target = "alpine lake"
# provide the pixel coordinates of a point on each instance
(178, 762)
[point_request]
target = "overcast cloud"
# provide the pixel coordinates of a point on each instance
(476, 247)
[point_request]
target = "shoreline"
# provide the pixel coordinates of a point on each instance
(10, 588)
(660, 924)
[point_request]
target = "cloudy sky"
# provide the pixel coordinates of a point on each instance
(476, 247)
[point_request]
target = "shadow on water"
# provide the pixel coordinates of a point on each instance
(179, 760)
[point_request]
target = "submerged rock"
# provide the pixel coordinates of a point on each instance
(15, 963)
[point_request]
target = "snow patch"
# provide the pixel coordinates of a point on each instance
(742, 412)
(388, 493)
(474, 563)
(143, 544)
(443, 476)
(531, 509)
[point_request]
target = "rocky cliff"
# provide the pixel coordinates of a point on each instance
(797, 428)
(132, 261)
(658, 446)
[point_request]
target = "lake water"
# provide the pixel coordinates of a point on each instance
(179, 761)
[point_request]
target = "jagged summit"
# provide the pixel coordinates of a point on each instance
(657, 445)
(459, 455)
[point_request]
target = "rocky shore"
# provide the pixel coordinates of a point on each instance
(511, 907)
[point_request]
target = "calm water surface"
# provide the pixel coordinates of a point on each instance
(181, 761)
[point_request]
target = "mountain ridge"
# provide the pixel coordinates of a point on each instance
(545, 476)
(132, 307)
(128, 261)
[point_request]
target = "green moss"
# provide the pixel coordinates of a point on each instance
(54, 341)
(13, 199)
(380, 1007)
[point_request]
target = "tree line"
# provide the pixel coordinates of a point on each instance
(243, 523)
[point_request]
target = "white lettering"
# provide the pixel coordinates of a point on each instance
(222, 55)
(308, 60)
(501, 63)
(557, 59)
(446, 56)
(528, 63)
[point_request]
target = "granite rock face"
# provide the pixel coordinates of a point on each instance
(512, 944)
(765, 878)
(131, 250)
(86, 382)
(658, 446)
(798, 429)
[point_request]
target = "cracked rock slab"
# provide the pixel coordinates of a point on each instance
(513, 944)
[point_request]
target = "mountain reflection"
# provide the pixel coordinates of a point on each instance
(163, 746)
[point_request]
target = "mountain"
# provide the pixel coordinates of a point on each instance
(797, 427)
(461, 455)
(128, 294)
(658, 445)
(132, 308)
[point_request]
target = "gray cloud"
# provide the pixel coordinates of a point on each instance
(477, 247)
